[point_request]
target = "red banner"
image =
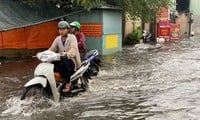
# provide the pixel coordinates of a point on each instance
(14, 38)
(164, 29)
(175, 31)
(31, 37)
(41, 35)
(1, 41)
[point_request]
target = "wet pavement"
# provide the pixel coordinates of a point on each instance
(133, 84)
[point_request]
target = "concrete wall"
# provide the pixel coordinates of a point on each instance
(130, 24)
(184, 25)
(196, 25)
(195, 10)
(18, 53)
(194, 7)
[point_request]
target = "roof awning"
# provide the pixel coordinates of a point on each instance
(14, 14)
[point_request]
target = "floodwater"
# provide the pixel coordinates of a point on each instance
(132, 85)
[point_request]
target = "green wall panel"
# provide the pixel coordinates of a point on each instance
(94, 43)
(86, 17)
(112, 22)
(94, 17)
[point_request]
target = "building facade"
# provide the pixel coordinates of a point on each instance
(195, 16)
(102, 27)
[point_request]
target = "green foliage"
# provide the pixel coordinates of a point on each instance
(143, 9)
(134, 37)
(87, 4)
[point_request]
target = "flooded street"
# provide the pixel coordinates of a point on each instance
(132, 85)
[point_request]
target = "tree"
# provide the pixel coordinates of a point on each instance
(143, 9)
(86, 4)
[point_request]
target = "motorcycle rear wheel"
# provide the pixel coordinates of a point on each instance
(36, 91)
(84, 83)
(94, 69)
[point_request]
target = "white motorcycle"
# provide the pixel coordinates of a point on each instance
(50, 84)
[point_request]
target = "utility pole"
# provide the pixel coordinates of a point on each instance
(190, 23)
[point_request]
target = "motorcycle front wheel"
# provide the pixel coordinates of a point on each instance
(36, 91)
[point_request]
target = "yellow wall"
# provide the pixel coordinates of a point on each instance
(111, 41)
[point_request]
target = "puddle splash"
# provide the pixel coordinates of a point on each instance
(16, 107)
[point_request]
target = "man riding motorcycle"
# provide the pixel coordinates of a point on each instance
(66, 45)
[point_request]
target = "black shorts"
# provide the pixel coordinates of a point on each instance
(65, 67)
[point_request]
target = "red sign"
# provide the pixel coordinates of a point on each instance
(164, 32)
(175, 31)
(92, 29)
(164, 29)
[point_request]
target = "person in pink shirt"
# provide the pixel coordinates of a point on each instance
(75, 29)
